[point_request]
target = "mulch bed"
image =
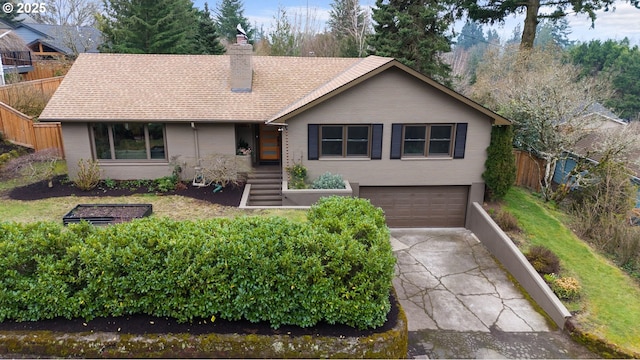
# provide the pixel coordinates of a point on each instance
(229, 196)
(144, 324)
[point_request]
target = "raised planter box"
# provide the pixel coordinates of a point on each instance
(104, 214)
(308, 197)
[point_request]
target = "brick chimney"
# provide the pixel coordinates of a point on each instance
(241, 65)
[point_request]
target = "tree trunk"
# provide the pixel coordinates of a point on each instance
(530, 24)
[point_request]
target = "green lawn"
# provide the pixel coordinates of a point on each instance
(610, 302)
(172, 206)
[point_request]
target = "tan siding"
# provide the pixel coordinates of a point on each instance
(394, 97)
(77, 145)
(212, 138)
(217, 139)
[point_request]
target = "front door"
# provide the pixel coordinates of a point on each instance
(269, 143)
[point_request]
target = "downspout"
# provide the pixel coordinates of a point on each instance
(195, 142)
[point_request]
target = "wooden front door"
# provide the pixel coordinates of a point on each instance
(269, 143)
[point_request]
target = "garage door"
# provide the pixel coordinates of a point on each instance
(420, 206)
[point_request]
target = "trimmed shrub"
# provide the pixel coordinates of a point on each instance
(328, 181)
(543, 260)
(566, 288)
(255, 268)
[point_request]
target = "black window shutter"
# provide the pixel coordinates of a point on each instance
(376, 141)
(461, 141)
(312, 142)
(396, 141)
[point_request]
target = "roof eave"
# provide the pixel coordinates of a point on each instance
(175, 121)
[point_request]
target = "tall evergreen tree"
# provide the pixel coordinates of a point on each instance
(283, 37)
(350, 24)
(207, 40)
(619, 62)
(230, 13)
(470, 35)
(495, 11)
(553, 33)
(10, 17)
(149, 26)
(493, 37)
(413, 31)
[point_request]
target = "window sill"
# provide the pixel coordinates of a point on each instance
(344, 158)
(140, 162)
(427, 158)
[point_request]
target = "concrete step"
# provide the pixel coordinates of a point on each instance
(265, 203)
(264, 181)
(255, 192)
(269, 197)
(265, 175)
(267, 186)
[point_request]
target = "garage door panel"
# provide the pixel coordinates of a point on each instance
(420, 206)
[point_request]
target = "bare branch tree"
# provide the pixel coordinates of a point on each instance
(350, 23)
(69, 12)
(544, 98)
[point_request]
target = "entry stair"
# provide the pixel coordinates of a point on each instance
(266, 185)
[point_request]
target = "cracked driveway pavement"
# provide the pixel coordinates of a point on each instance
(461, 304)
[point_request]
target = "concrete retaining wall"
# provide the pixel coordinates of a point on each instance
(501, 246)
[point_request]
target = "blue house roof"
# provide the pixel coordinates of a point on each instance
(67, 40)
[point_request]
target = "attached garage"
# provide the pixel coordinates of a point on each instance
(420, 206)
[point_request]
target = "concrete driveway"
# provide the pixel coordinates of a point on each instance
(461, 304)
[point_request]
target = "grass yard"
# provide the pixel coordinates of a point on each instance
(610, 304)
(172, 206)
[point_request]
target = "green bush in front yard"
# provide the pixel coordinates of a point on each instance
(256, 268)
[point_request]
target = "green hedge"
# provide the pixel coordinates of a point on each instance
(337, 267)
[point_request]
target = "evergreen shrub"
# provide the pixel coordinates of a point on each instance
(328, 181)
(337, 270)
(500, 166)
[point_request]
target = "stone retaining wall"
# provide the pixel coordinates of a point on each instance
(391, 344)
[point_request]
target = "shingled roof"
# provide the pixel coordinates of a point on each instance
(123, 87)
(183, 88)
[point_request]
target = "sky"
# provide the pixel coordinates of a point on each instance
(623, 21)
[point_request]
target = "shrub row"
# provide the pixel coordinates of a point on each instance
(336, 267)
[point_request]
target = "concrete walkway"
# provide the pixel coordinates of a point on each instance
(461, 304)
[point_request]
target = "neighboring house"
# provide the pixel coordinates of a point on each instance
(54, 41)
(411, 145)
(599, 119)
(14, 53)
(603, 123)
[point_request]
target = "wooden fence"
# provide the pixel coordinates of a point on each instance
(530, 170)
(14, 93)
(20, 128)
(44, 69)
